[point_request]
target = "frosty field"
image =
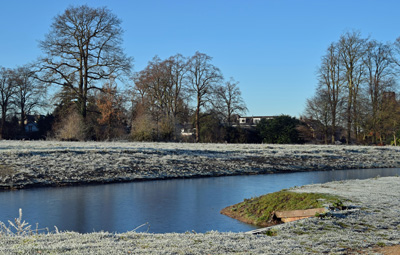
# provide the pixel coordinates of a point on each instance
(375, 222)
(50, 163)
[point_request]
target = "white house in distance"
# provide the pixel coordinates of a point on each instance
(188, 131)
(251, 121)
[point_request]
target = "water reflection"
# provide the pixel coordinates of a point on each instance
(168, 206)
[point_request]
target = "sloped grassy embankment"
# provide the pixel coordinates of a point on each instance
(25, 164)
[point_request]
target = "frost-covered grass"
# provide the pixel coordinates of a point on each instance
(46, 163)
(375, 223)
(25, 164)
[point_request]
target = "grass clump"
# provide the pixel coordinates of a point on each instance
(5, 170)
(20, 227)
(271, 232)
(381, 244)
(260, 210)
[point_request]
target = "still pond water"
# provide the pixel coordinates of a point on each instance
(167, 206)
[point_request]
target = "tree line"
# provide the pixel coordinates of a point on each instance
(97, 96)
(21, 94)
(355, 100)
(86, 79)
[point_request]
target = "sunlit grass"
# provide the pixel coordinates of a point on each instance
(260, 210)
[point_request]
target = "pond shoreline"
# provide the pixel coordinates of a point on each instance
(29, 164)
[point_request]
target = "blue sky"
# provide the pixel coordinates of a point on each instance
(272, 47)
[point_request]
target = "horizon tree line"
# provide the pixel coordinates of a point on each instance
(95, 95)
(355, 98)
(84, 59)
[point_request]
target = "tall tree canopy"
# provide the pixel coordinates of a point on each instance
(352, 49)
(29, 93)
(203, 78)
(357, 90)
(329, 99)
(7, 91)
(228, 101)
(82, 48)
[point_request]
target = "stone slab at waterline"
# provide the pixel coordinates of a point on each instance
(289, 216)
(375, 224)
(50, 163)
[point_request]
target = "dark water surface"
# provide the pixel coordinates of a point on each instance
(168, 206)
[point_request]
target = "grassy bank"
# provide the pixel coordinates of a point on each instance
(260, 210)
(26, 164)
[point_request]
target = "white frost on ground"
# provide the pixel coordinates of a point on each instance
(376, 222)
(26, 164)
(48, 163)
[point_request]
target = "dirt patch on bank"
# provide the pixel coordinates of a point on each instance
(228, 212)
(389, 250)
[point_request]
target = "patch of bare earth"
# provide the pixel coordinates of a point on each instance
(387, 250)
(390, 250)
(228, 212)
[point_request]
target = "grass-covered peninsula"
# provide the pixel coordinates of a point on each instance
(260, 210)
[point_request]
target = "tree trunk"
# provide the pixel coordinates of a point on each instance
(348, 122)
(82, 107)
(349, 113)
(22, 126)
(326, 136)
(356, 123)
(333, 130)
(198, 120)
(3, 122)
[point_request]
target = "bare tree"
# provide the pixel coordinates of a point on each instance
(7, 91)
(396, 52)
(83, 47)
(141, 121)
(29, 94)
(155, 83)
(378, 63)
(352, 49)
(161, 85)
(202, 77)
(356, 79)
(178, 68)
(331, 82)
(318, 108)
(228, 100)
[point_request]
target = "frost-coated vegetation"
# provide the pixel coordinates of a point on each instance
(375, 223)
(47, 163)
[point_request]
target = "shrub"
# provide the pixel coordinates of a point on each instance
(71, 128)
